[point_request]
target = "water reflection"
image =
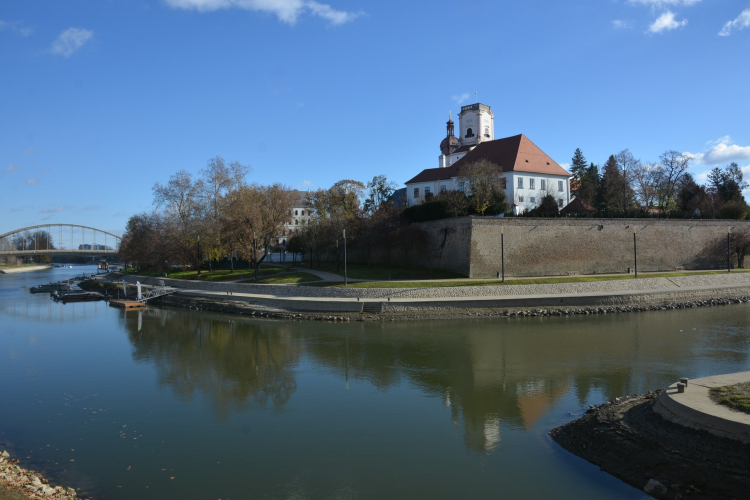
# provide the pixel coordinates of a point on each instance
(234, 363)
(492, 375)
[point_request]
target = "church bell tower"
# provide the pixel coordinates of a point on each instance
(476, 124)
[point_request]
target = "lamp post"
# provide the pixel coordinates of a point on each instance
(199, 255)
(346, 279)
(255, 257)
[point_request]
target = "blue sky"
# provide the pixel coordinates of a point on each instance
(101, 99)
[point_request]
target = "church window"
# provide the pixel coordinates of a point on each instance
(295, 212)
(520, 183)
(469, 132)
(520, 199)
(532, 199)
(559, 186)
(486, 131)
(416, 192)
(531, 183)
(461, 186)
(426, 191)
(443, 188)
(543, 184)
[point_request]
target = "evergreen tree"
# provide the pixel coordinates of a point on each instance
(616, 193)
(578, 167)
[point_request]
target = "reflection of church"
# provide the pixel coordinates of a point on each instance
(528, 173)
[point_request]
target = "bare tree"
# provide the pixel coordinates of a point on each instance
(485, 182)
(672, 168)
(644, 181)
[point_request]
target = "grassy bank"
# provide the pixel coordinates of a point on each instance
(736, 397)
(215, 275)
(512, 281)
(365, 272)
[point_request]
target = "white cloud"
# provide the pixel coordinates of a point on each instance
(664, 3)
(32, 181)
(12, 168)
(93, 208)
(742, 22)
(666, 22)
(461, 98)
(48, 210)
(621, 24)
(305, 184)
(71, 40)
(17, 27)
(721, 152)
(287, 11)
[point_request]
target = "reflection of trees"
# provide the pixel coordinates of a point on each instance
(232, 363)
(492, 374)
(514, 372)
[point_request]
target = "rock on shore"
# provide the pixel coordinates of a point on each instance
(16, 482)
(627, 439)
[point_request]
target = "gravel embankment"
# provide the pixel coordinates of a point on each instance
(626, 285)
(17, 483)
(627, 439)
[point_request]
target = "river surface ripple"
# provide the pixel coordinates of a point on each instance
(169, 403)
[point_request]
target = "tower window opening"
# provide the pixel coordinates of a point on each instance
(469, 132)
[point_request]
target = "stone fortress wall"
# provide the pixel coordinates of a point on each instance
(559, 247)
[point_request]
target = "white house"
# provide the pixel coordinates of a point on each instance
(528, 173)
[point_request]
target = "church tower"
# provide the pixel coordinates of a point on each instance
(476, 124)
(449, 144)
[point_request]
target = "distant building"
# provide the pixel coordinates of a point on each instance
(528, 173)
(300, 217)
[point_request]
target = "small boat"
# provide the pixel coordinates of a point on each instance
(82, 297)
(50, 287)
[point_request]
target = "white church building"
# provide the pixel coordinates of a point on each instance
(528, 173)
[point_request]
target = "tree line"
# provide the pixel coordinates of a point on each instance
(625, 186)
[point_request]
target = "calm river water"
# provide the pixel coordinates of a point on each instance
(170, 403)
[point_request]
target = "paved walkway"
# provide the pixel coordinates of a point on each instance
(694, 407)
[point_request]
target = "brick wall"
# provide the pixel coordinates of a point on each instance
(553, 247)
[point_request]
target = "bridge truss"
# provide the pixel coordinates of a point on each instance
(58, 239)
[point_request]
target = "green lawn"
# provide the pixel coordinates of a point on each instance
(364, 272)
(733, 396)
(510, 282)
(285, 278)
(215, 275)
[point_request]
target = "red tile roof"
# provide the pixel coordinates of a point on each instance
(517, 154)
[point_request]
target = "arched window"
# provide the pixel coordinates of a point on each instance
(295, 212)
(486, 131)
(469, 132)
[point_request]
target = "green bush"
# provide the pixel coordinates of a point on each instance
(427, 211)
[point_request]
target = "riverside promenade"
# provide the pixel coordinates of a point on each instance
(641, 294)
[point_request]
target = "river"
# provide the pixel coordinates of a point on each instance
(170, 403)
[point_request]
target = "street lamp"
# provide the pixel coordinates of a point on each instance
(346, 280)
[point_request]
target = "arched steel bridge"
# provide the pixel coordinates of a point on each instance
(59, 239)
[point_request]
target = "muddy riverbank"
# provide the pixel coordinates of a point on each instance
(627, 439)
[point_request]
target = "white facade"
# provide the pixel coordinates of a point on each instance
(476, 124)
(524, 191)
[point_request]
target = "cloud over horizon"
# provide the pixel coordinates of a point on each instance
(70, 41)
(722, 151)
(287, 11)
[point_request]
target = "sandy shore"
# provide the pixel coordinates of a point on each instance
(23, 269)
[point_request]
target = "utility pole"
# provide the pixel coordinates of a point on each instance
(346, 279)
(255, 257)
(635, 254)
(729, 252)
(338, 257)
(502, 253)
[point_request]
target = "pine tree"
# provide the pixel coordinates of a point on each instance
(579, 165)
